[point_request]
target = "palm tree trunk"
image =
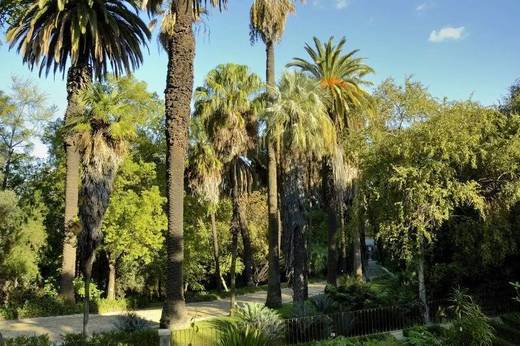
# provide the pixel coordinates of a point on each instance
(357, 263)
(218, 275)
(178, 94)
(332, 222)
(78, 77)
(234, 253)
(295, 211)
(246, 241)
(274, 292)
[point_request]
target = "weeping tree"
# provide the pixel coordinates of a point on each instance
(226, 106)
(86, 38)
(103, 125)
(342, 77)
(205, 177)
(267, 22)
(298, 120)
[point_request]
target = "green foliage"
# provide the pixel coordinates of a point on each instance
(421, 336)
(376, 340)
(79, 289)
(252, 324)
(115, 338)
(131, 323)
(41, 340)
(471, 326)
(356, 296)
(21, 237)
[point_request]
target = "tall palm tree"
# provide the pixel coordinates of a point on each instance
(267, 22)
(341, 75)
(299, 119)
(91, 35)
(205, 175)
(103, 124)
(179, 42)
(226, 107)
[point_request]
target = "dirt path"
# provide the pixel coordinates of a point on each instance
(56, 326)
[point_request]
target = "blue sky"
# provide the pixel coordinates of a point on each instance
(457, 48)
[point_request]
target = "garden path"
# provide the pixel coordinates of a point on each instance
(56, 326)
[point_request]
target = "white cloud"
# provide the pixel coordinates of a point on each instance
(447, 33)
(341, 4)
(425, 6)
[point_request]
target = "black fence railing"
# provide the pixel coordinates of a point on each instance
(355, 323)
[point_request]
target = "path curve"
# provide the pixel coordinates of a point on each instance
(56, 326)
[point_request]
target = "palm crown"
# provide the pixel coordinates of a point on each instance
(341, 75)
(94, 32)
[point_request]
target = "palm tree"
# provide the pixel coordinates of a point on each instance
(267, 22)
(92, 35)
(341, 75)
(205, 177)
(103, 124)
(299, 120)
(179, 42)
(226, 107)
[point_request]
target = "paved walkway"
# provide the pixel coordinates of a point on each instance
(56, 326)
(375, 270)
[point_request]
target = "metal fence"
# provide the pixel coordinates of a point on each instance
(353, 323)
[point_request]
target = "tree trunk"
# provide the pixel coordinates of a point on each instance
(86, 300)
(332, 222)
(7, 168)
(111, 287)
(295, 211)
(234, 252)
(218, 275)
(362, 239)
(422, 289)
(248, 247)
(78, 77)
(358, 265)
(178, 94)
(274, 292)
(343, 239)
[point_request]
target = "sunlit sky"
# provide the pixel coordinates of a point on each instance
(457, 48)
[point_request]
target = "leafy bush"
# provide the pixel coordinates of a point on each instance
(130, 323)
(252, 324)
(471, 326)
(356, 296)
(41, 340)
(323, 304)
(110, 305)
(202, 296)
(41, 306)
(421, 336)
(117, 338)
(79, 288)
(376, 340)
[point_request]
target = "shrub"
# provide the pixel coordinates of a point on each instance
(41, 306)
(356, 296)
(79, 288)
(252, 324)
(421, 336)
(41, 340)
(323, 304)
(130, 323)
(143, 337)
(471, 326)
(110, 305)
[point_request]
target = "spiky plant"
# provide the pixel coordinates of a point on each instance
(103, 124)
(89, 36)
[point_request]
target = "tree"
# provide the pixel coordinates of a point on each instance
(106, 120)
(267, 22)
(299, 120)
(22, 114)
(225, 106)
(341, 75)
(134, 221)
(205, 180)
(92, 35)
(180, 46)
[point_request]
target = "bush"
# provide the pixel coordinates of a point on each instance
(192, 297)
(471, 326)
(252, 324)
(356, 296)
(111, 305)
(130, 323)
(421, 336)
(376, 340)
(79, 288)
(41, 306)
(117, 338)
(41, 340)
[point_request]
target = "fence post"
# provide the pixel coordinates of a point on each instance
(164, 337)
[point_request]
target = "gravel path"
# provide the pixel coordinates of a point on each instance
(56, 326)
